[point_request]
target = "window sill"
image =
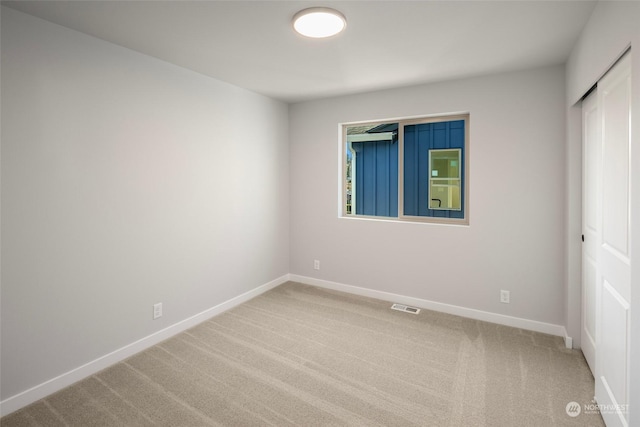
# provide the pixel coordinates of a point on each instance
(410, 220)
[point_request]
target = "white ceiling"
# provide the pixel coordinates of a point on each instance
(386, 43)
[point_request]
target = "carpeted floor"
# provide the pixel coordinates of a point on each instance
(303, 356)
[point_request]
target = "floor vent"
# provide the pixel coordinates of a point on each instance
(405, 308)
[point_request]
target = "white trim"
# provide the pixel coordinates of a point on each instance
(471, 313)
(40, 391)
(369, 137)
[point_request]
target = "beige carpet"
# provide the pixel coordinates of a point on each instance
(303, 356)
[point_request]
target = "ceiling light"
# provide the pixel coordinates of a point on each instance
(319, 22)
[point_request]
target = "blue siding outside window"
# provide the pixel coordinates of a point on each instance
(418, 140)
(376, 178)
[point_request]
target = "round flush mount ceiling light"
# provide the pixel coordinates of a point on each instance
(319, 22)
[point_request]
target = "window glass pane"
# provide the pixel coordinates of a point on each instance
(445, 163)
(444, 179)
(434, 164)
(445, 194)
(372, 169)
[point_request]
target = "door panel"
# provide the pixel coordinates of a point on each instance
(591, 147)
(589, 326)
(615, 111)
(613, 263)
(615, 315)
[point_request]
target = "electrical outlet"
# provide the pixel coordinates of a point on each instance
(316, 264)
(157, 310)
(504, 297)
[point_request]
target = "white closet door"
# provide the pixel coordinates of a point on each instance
(591, 149)
(613, 257)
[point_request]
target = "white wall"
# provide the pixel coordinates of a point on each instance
(613, 26)
(126, 181)
(515, 238)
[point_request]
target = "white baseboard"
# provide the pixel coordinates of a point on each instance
(27, 397)
(501, 319)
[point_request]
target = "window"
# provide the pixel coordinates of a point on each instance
(411, 170)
